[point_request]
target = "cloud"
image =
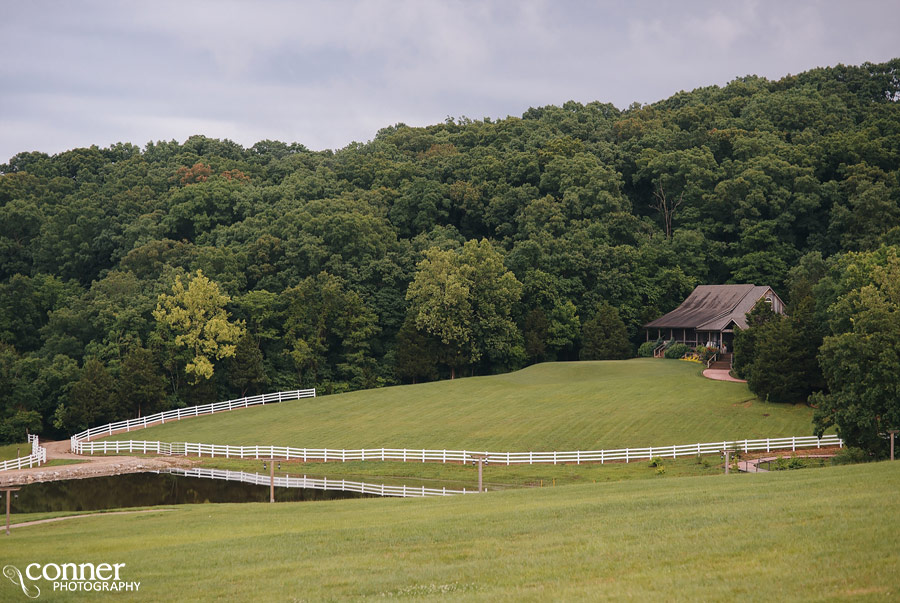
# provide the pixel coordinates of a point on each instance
(324, 73)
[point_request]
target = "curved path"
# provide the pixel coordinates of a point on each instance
(90, 466)
(36, 522)
(721, 375)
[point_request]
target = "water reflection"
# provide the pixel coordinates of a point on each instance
(148, 489)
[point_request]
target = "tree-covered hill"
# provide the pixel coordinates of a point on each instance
(461, 247)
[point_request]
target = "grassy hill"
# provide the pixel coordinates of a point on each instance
(562, 406)
(816, 534)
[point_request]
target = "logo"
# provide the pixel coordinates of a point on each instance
(102, 577)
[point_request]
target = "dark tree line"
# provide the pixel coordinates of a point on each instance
(467, 247)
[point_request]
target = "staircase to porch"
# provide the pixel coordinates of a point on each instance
(722, 362)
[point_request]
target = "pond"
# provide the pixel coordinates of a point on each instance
(150, 489)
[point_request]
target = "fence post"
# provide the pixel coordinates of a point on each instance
(767, 445)
(793, 443)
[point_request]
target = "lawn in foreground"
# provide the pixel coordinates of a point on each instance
(551, 406)
(802, 535)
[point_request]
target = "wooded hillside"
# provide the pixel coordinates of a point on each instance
(462, 247)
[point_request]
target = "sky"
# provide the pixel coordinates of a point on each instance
(328, 73)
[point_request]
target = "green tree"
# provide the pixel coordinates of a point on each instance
(861, 363)
(465, 299)
(197, 316)
(746, 341)
(329, 332)
(246, 372)
(604, 336)
(417, 354)
(92, 400)
(140, 385)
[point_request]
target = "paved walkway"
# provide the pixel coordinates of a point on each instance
(721, 375)
(752, 465)
(91, 466)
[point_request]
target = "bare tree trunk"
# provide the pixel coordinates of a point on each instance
(666, 208)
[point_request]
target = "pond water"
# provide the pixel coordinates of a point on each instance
(149, 489)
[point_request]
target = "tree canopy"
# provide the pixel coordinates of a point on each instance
(472, 246)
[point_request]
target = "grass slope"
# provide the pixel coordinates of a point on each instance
(822, 534)
(562, 406)
(12, 451)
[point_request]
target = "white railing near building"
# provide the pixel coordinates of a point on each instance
(37, 457)
(182, 413)
(318, 484)
(453, 456)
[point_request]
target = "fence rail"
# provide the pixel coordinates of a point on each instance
(81, 444)
(37, 457)
(192, 411)
(318, 484)
(454, 456)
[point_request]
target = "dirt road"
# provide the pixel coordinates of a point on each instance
(91, 466)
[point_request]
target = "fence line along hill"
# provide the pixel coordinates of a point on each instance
(553, 406)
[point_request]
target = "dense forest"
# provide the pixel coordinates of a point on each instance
(136, 279)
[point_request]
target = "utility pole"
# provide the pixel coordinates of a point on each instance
(727, 460)
(272, 481)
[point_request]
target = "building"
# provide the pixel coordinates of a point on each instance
(710, 314)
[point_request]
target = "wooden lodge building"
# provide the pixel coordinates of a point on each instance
(710, 314)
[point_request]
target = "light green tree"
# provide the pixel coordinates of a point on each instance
(196, 315)
(465, 298)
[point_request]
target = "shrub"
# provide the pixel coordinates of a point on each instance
(677, 350)
(645, 350)
(851, 456)
(705, 353)
(657, 462)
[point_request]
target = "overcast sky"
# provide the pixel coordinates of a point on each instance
(327, 73)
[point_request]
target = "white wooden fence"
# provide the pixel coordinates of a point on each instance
(81, 443)
(37, 457)
(452, 456)
(183, 413)
(318, 484)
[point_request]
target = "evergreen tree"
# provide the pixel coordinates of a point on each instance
(604, 336)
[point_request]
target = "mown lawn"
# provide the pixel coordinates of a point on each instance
(8, 451)
(824, 534)
(562, 406)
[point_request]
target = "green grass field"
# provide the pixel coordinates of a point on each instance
(495, 477)
(9, 451)
(818, 534)
(562, 406)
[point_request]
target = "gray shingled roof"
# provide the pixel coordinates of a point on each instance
(712, 308)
